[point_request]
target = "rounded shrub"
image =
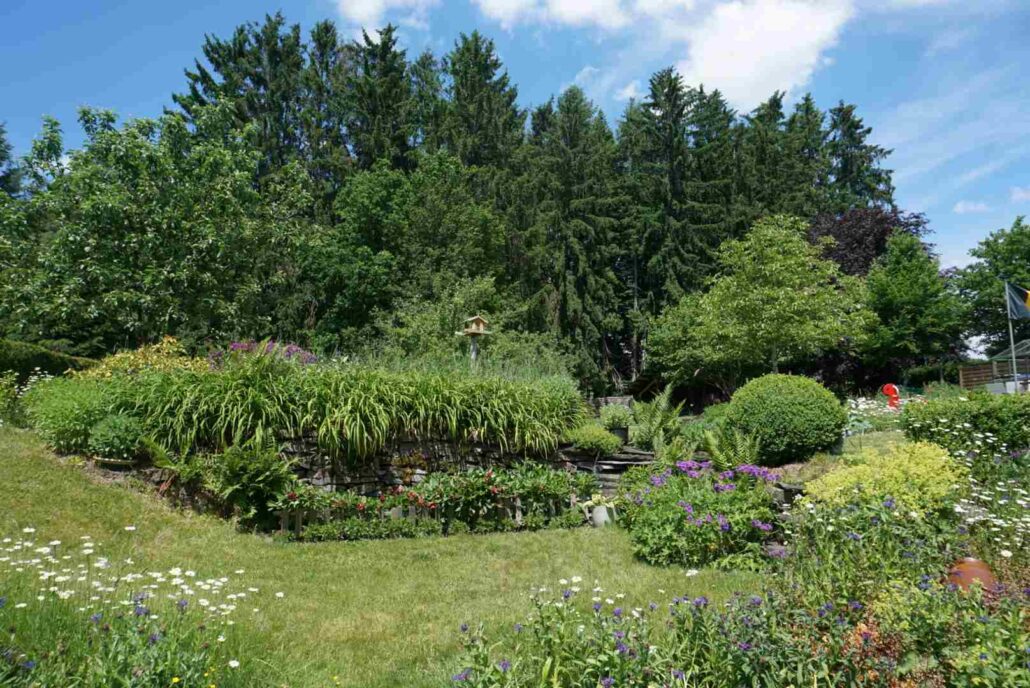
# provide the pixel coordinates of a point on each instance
(594, 439)
(616, 416)
(793, 417)
(63, 411)
(117, 436)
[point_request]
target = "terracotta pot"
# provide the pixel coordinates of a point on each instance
(967, 570)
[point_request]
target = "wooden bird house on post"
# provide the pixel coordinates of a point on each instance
(475, 327)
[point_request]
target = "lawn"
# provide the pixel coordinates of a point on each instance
(377, 613)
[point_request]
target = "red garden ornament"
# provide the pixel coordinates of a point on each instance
(890, 391)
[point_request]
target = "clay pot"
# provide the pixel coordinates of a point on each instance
(967, 570)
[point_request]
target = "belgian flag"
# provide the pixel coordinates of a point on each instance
(1018, 300)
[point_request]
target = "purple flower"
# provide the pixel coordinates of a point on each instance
(724, 525)
(657, 480)
(566, 594)
(464, 628)
(761, 525)
(518, 628)
(619, 635)
(597, 606)
(181, 604)
(744, 646)
(755, 601)
(95, 619)
(726, 475)
(854, 536)
(504, 665)
(621, 648)
(28, 665)
(140, 610)
(700, 602)
(889, 502)
(617, 612)
(678, 674)
(462, 676)
(688, 466)
(153, 638)
(607, 682)
(724, 487)
(855, 605)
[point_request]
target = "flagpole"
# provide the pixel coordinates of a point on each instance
(1012, 342)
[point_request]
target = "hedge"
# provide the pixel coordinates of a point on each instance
(24, 359)
(990, 420)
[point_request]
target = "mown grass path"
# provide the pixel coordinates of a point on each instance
(372, 614)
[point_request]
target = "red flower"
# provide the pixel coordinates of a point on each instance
(292, 496)
(361, 506)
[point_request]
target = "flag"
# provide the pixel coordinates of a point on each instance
(1018, 300)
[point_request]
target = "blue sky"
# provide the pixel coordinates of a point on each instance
(943, 82)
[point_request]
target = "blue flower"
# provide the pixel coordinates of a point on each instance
(744, 646)
(607, 682)
(700, 602)
(28, 665)
(617, 612)
(95, 619)
(518, 628)
(140, 610)
(504, 665)
(462, 676)
(464, 628)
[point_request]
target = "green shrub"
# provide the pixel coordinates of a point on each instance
(655, 422)
(25, 359)
(920, 477)
(8, 397)
(117, 436)
(692, 514)
(248, 479)
(979, 419)
(166, 355)
(616, 416)
(63, 411)
(594, 439)
(920, 376)
(793, 417)
(371, 529)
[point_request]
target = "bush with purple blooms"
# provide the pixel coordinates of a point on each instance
(287, 351)
(693, 514)
(932, 635)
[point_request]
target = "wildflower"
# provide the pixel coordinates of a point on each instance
(1006, 553)
(691, 572)
(464, 628)
(518, 626)
(504, 665)
(95, 619)
(744, 646)
(617, 612)
(607, 682)
(233, 664)
(761, 525)
(278, 595)
(130, 528)
(700, 602)
(462, 676)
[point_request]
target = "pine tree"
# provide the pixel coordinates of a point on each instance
(763, 151)
(579, 214)
(259, 70)
(428, 105)
(806, 169)
(484, 125)
(323, 116)
(856, 178)
(380, 91)
(710, 188)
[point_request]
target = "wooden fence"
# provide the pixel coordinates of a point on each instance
(974, 376)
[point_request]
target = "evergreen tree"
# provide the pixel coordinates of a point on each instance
(806, 164)
(856, 178)
(763, 158)
(323, 116)
(710, 189)
(579, 216)
(380, 111)
(10, 174)
(428, 105)
(259, 70)
(484, 125)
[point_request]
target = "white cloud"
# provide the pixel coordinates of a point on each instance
(606, 14)
(509, 12)
(748, 48)
(948, 41)
(371, 14)
(631, 91)
(966, 207)
(585, 75)
(1020, 194)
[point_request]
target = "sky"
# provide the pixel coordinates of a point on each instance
(944, 83)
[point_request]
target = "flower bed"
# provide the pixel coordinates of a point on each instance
(74, 617)
(694, 514)
(527, 497)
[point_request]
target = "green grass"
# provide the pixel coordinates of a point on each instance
(374, 614)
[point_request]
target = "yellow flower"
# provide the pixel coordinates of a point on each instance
(175, 679)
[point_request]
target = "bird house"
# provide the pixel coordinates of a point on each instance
(475, 326)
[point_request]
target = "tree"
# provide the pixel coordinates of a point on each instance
(856, 178)
(1003, 256)
(484, 124)
(921, 317)
(860, 235)
(10, 174)
(776, 302)
(428, 108)
(259, 70)
(152, 230)
(578, 217)
(380, 112)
